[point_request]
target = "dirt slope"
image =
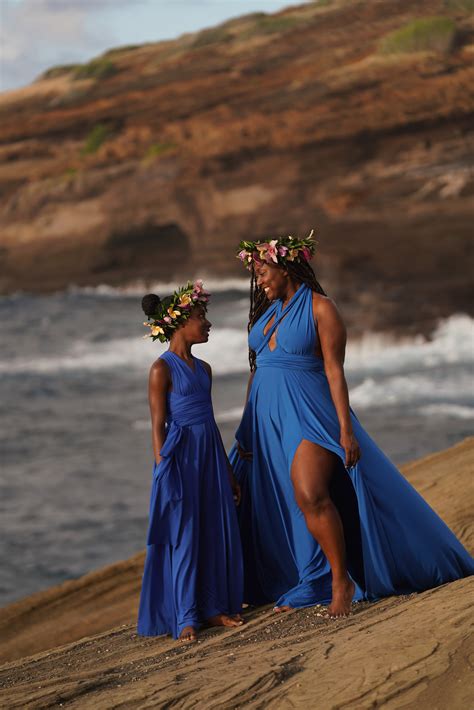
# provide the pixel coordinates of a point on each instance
(404, 652)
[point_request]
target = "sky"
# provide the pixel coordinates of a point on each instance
(38, 34)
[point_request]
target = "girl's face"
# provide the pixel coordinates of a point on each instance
(273, 280)
(197, 326)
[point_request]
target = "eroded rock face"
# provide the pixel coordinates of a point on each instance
(266, 125)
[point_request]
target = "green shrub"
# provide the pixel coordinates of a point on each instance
(269, 24)
(96, 137)
(121, 50)
(211, 36)
(60, 70)
(159, 149)
(435, 34)
(96, 69)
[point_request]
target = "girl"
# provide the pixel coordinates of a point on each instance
(193, 568)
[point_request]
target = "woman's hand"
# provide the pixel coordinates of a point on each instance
(236, 492)
(351, 447)
(245, 455)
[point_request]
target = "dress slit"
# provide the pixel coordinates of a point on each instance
(344, 497)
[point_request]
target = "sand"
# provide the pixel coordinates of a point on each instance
(403, 652)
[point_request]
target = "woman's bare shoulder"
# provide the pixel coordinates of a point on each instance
(323, 305)
(159, 370)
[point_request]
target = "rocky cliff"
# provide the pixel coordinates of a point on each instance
(152, 162)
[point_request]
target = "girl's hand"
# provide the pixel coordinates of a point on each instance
(351, 447)
(245, 455)
(236, 492)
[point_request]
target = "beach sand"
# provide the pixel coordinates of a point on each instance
(75, 645)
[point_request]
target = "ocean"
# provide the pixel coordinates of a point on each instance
(75, 449)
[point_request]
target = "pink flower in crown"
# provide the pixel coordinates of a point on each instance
(283, 251)
(198, 286)
(167, 319)
(271, 252)
(243, 255)
(306, 253)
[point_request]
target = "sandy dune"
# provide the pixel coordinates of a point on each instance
(406, 652)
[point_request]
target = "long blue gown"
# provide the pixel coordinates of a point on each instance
(395, 542)
(193, 567)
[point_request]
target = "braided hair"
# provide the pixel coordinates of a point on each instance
(299, 271)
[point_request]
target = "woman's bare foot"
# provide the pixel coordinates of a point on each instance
(342, 594)
(188, 634)
(225, 620)
(281, 609)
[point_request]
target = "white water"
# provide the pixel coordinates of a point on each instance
(438, 371)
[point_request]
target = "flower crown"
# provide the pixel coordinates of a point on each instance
(277, 251)
(167, 314)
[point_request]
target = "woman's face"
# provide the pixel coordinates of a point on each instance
(273, 280)
(197, 326)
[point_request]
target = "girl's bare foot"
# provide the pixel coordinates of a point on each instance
(188, 634)
(342, 594)
(225, 620)
(281, 609)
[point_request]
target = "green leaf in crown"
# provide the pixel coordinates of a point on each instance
(276, 251)
(174, 310)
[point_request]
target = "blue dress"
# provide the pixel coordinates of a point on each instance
(193, 567)
(395, 542)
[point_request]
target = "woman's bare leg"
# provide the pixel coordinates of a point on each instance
(311, 474)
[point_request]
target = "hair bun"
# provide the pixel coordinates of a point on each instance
(150, 303)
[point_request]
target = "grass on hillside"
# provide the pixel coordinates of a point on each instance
(429, 34)
(59, 70)
(96, 138)
(96, 69)
(157, 149)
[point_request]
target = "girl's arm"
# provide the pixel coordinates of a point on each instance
(158, 386)
(332, 336)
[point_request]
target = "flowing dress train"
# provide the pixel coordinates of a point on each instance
(193, 567)
(395, 542)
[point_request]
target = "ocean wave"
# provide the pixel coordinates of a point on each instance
(413, 388)
(451, 343)
(372, 358)
(444, 409)
(139, 288)
(227, 353)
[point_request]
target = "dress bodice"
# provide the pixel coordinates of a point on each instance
(189, 401)
(295, 333)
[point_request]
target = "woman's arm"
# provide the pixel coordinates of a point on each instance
(158, 385)
(332, 336)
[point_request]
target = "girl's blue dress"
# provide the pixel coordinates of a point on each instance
(193, 567)
(395, 542)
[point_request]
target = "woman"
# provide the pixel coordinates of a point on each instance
(325, 517)
(193, 567)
